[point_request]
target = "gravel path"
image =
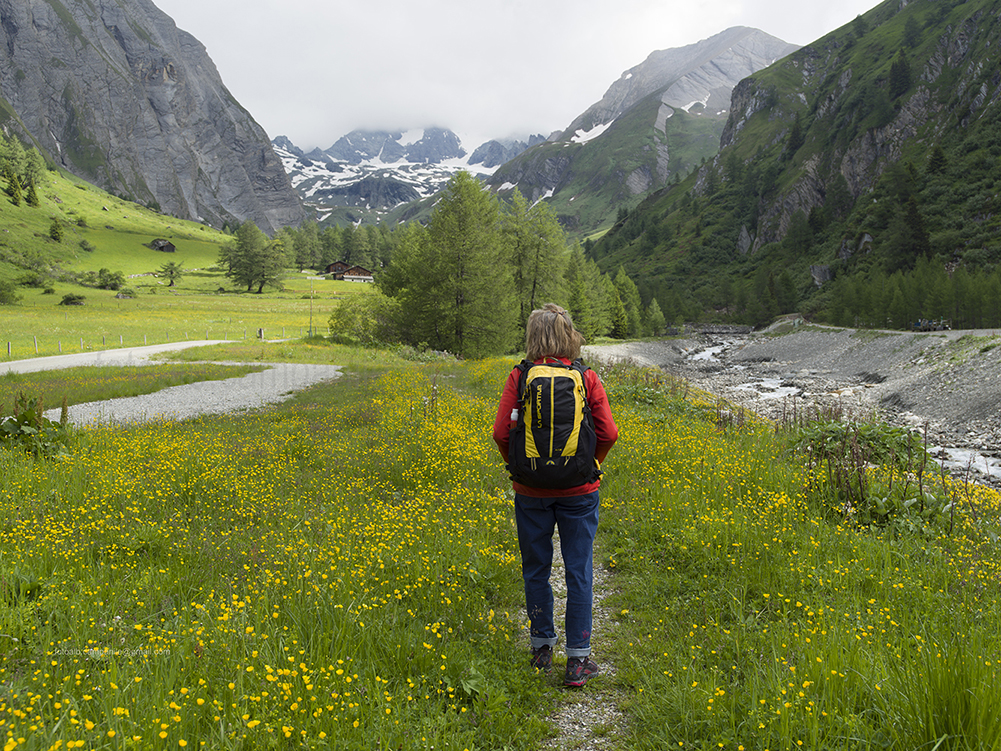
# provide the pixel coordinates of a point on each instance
(276, 383)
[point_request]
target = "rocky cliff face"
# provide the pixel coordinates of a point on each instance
(118, 95)
(956, 82)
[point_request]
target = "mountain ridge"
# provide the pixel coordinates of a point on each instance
(117, 94)
(659, 119)
(372, 175)
(868, 157)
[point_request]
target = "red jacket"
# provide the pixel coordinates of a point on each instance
(604, 427)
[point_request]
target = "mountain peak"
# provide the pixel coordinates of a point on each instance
(701, 73)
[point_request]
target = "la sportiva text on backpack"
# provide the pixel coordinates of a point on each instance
(552, 444)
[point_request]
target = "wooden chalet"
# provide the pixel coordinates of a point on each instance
(341, 270)
(337, 267)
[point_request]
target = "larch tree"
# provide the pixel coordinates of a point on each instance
(538, 251)
(453, 279)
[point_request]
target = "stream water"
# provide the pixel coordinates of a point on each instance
(958, 460)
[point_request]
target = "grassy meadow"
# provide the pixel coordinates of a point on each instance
(342, 571)
(166, 315)
(102, 231)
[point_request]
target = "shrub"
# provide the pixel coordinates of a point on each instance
(113, 280)
(846, 453)
(30, 430)
(72, 299)
(8, 293)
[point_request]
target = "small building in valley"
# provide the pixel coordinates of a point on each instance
(164, 246)
(348, 273)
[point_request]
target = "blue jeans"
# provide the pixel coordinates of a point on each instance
(577, 519)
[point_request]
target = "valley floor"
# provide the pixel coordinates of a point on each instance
(949, 381)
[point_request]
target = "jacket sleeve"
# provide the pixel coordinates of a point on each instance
(606, 431)
(502, 422)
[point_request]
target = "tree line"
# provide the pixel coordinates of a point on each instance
(467, 281)
(22, 169)
(900, 300)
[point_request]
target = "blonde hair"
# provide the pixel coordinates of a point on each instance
(550, 331)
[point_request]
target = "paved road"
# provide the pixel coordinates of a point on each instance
(275, 384)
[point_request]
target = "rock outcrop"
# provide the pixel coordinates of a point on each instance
(118, 95)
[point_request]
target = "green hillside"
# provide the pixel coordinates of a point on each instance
(101, 232)
(861, 167)
(115, 233)
(614, 171)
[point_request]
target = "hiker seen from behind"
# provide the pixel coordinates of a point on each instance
(554, 428)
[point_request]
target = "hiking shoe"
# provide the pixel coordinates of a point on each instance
(579, 671)
(542, 659)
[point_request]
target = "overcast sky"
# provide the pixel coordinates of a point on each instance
(314, 70)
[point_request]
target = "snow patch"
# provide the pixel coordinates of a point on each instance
(583, 136)
(411, 137)
(703, 102)
(507, 186)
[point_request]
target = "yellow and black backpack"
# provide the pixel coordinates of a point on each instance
(552, 443)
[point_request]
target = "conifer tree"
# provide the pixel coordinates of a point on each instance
(936, 160)
(900, 76)
(538, 253)
(452, 280)
(171, 271)
(796, 137)
(620, 321)
(34, 168)
(655, 321)
(14, 188)
(630, 296)
(252, 260)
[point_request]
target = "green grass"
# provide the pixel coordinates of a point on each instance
(222, 579)
(160, 314)
(92, 384)
(202, 305)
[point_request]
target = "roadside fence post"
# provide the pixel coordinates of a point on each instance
(36, 344)
(8, 349)
(60, 346)
(144, 340)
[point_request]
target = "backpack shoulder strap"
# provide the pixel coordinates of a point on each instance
(523, 368)
(581, 368)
